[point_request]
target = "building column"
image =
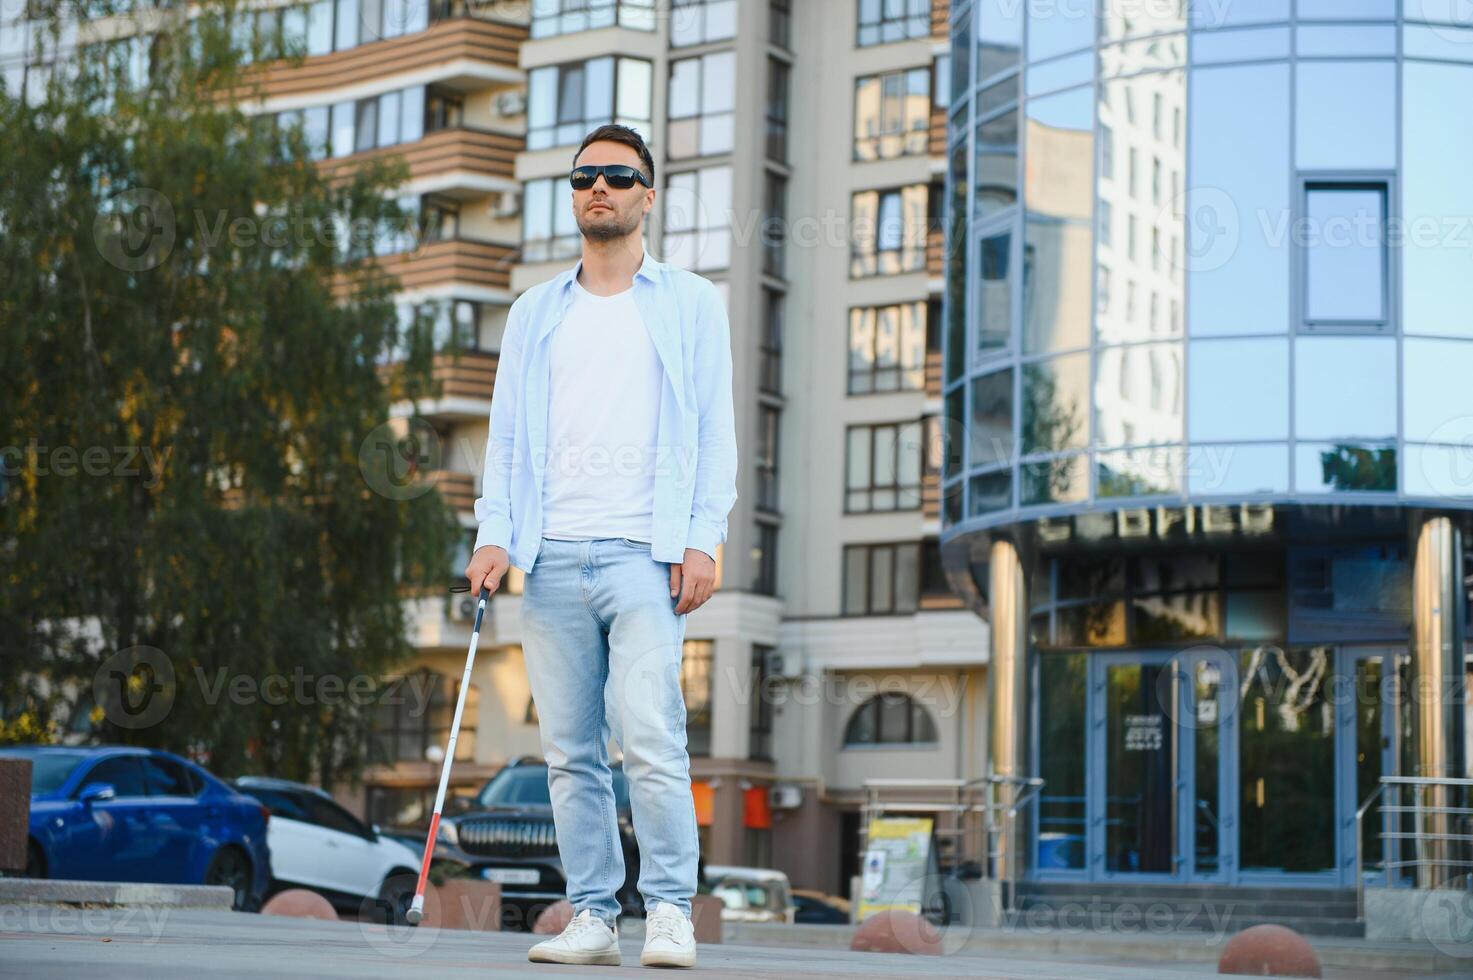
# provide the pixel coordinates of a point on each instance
(1437, 682)
(1007, 683)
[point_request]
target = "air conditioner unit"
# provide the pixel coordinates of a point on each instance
(784, 663)
(508, 205)
(512, 103)
(463, 609)
(784, 796)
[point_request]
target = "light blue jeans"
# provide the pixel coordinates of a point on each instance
(602, 644)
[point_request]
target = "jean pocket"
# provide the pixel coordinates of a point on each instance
(641, 545)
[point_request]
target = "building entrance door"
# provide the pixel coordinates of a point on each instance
(1159, 807)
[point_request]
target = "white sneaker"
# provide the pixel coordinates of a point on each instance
(669, 938)
(587, 940)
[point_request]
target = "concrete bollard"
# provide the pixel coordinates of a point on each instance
(1269, 951)
(301, 903)
(896, 931)
(705, 917)
(554, 919)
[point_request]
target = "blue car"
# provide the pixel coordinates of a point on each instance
(131, 814)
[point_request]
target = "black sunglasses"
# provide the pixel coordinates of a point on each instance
(617, 175)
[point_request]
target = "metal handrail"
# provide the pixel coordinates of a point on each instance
(1360, 850)
(1440, 831)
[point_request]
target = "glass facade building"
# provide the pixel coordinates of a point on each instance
(1207, 329)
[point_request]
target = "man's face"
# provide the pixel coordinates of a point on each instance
(605, 213)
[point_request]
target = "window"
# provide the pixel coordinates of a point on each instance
(414, 712)
(699, 21)
(770, 376)
(326, 813)
(780, 22)
(165, 777)
(887, 348)
(123, 773)
(553, 17)
(695, 685)
(1344, 268)
(698, 219)
(549, 230)
(774, 224)
(883, 469)
(892, 114)
(702, 101)
(778, 73)
(281, 803)
(565, 102)
(444, 109)
(889, 231)
(892, 718)
(881, 579)
(764, 558)
(768, 418)
(759, 726)
(933, 576)
(387, 119)
(884, 21)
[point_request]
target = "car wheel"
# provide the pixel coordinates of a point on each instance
(230, 868)
(395, 896)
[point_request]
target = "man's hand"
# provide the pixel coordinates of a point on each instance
(693, 581)
(487, 567)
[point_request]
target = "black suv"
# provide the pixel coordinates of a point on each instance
(507, 835)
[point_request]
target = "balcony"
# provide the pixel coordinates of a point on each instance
(931, 495)
(466, 381)
(449, 261)
(462, 162)
(466, 53)
(456, 489)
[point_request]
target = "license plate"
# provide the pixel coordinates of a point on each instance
(511, 876)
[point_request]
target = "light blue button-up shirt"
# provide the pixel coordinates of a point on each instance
(696, 455)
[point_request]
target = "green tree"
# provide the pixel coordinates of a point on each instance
(194, 401)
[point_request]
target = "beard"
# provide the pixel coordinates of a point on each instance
(606, 226)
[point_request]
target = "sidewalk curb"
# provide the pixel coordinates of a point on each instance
(39, 891)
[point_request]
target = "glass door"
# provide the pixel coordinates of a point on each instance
(1208, 739)
(1135, 747)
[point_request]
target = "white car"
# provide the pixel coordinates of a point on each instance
(751, 894)
(317, 844)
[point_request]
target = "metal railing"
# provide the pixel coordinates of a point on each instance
(976, 820)
(1426, 833)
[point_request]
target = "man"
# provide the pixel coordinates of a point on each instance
(610, 471)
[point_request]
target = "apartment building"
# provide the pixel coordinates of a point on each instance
(801, 158)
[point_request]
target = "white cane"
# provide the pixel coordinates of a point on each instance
(417, 907)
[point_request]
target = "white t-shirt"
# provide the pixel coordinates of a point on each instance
(603, 421)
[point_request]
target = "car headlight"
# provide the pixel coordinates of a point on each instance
(447, 834)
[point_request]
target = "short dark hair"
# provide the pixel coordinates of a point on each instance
(614, 133)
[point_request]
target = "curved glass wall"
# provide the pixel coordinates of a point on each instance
(1208, 252)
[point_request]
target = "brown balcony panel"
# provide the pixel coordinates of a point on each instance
(936, 136)
(935, 253)
(940, 17)
(444, 151)
(450, 40)
(457, 260)
(456, 489)
(933, 374)
(935, 602)
(930, 495)
(470, 374)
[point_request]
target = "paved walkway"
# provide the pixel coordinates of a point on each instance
(162, 944)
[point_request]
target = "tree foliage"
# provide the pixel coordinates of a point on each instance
(192, 391)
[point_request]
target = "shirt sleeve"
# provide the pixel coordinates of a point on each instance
(493, 507)
(716, 454)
